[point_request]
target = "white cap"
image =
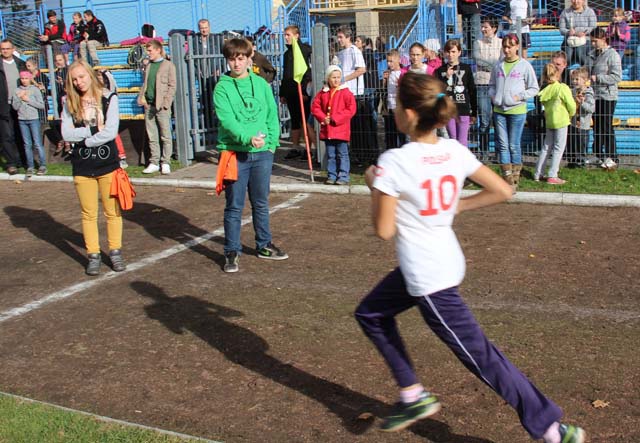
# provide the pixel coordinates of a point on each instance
(330, 70)
(432, 44)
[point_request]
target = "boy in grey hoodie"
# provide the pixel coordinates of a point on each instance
(27, 101)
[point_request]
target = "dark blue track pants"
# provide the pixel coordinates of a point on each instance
(451, 320)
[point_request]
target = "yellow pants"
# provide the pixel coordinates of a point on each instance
(87, 189)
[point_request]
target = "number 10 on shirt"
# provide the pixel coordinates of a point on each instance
(444, 201)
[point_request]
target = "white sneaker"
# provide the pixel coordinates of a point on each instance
(609, 164)
(166, 169)
(151, 169)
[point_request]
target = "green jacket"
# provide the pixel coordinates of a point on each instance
(559, 105)
(246, 107)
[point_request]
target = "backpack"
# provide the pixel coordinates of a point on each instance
(136, 55)
(108, 80)
(148, 30)
(184, 32)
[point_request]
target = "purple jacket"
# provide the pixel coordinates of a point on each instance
(619, 43)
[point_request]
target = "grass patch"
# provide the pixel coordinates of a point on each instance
(579, 181)
(64, 169)
(26, 422)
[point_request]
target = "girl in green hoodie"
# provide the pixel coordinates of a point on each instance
(559, 107)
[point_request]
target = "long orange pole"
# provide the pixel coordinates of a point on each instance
(306, 134)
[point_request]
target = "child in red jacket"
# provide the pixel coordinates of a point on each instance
(334, 107)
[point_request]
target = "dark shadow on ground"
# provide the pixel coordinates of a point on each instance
(41, 225)
(241, 346)
(162, 223)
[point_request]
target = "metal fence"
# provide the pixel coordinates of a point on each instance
(197, 74)
(366, 148)
(195, 117)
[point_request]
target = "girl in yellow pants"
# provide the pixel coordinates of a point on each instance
(90, 121)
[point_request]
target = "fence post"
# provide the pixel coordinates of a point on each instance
(191, 83)
(182, 115)
(320, 60)
(52, 81)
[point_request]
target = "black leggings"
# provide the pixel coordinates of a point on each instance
(604, 139)
(293, 104)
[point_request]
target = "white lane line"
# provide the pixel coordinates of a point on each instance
(109, 419)
(79, 287)
(617, 315)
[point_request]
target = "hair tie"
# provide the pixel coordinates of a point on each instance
(440, 95)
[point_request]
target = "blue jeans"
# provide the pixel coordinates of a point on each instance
(508, 135)
(485, 108)
(337, 170)
(471, 31)
(578, 54)
(254, 175)
(30, 130)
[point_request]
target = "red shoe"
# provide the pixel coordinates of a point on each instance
(556, 181)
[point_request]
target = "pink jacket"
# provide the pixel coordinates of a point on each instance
(434, 64)
(343, 108)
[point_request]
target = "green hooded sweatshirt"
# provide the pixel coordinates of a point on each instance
(246, 107)
(559, 105)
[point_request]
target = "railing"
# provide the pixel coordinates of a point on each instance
(297, 13)
(124, 18)
(328, 5)
(22, 28)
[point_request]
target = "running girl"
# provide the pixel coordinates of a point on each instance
(416, 194)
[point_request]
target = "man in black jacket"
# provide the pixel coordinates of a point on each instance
(289, 94)
(10, 68)
(95, 35)
(209, 65)
(7, 143)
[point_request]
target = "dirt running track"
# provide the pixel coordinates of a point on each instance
(272, 354)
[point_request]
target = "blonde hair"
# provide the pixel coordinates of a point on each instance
(550, 73)
(580, 72)
(74, 99)
(157, 45)
(393, 53)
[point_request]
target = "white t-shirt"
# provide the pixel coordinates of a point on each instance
(427, 181)
(392, 88)
(350, 59)
(518, 9)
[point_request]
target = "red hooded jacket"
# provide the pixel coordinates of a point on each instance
(55, 31)
(343, 108)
